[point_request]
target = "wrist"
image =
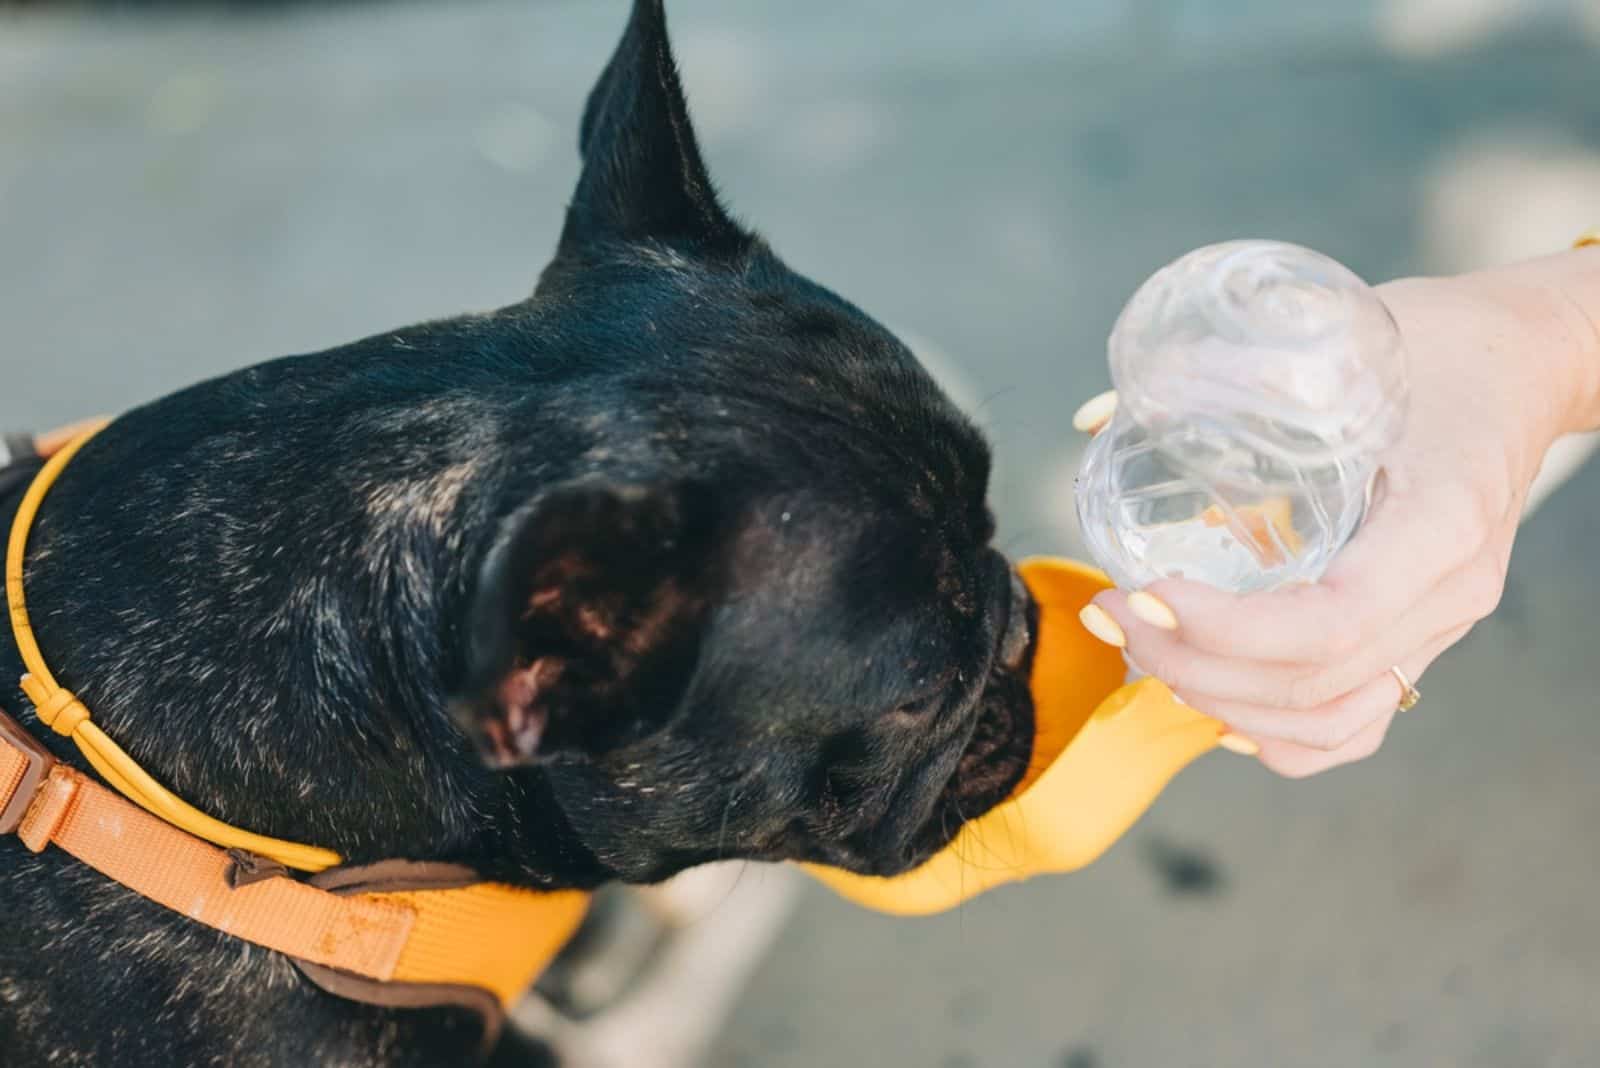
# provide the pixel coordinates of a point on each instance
(1555, 301)
(1492, 353)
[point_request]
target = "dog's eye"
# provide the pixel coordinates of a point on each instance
(927, 699)
(920, 709)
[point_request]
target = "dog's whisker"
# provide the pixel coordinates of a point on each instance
(982, 413)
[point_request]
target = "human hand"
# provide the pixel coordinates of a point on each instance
(1499, 368)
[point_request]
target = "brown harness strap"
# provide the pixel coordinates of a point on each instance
(397, 933)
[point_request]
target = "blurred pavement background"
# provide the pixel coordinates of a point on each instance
(183, 193)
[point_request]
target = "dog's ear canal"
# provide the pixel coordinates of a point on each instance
(643, 178)
(586, 622)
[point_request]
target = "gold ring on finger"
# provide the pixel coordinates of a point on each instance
(1409, 694)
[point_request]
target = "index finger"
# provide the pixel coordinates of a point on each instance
(1411, 541)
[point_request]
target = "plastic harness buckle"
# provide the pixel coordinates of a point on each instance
(36, 768)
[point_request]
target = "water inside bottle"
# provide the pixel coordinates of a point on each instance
(1240, 553)
(1202, 504)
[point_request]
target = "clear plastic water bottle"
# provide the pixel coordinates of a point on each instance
(1257, 383)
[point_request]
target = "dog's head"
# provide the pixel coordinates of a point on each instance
(762, 617)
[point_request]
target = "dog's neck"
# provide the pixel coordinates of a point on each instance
(281, 663)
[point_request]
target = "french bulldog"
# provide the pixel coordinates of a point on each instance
(682, 558)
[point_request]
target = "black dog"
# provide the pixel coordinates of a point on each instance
(689, 547)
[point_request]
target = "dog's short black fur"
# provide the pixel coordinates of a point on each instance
(689, 547)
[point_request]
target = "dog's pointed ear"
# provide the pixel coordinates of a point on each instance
(586, 620)
(643, 178)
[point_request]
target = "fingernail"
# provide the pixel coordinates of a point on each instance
(1098, 621)
(1153, 610)
(1238, 743)
(1095, 413)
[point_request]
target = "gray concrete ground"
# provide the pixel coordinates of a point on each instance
(184, 194)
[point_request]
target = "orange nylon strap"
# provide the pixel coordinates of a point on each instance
(403, 945)
(491, 936)
(487, 935)
(364, 935)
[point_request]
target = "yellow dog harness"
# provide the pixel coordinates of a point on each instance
(414, 934)
(392, 933)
